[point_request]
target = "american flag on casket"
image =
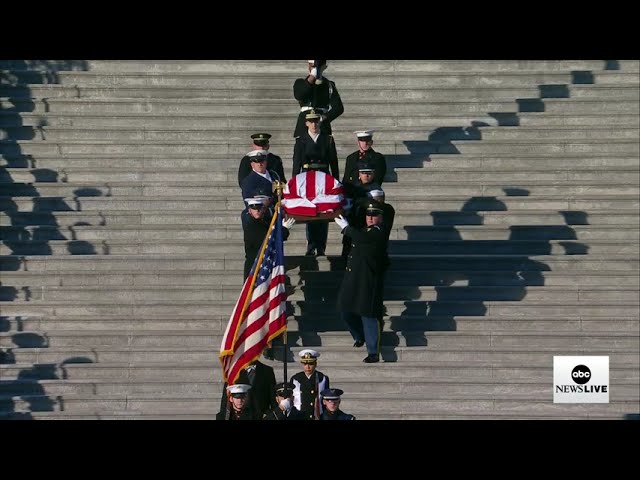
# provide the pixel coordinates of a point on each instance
(312, 193)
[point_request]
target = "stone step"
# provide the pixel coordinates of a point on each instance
(386, 136)
(365, 390)
(25, 210)
(383, 106)
(349, 363)
(119, 244)
(299, 67)
(343, 79)
(399, 263)
(110, 414)
(300, 328)
(277, 88)
(283, 125)
(601, 92)
(205, 161)
(353, 87)
(460, 188)
(593, 147)
(550, 147)
(232, 106)
(306, 296)
(56, 167)
(280, 91)
(339, 365)
(407, 220)
(50, 362)
(578, 106)
(233, 278)
(404, 176)
(573, 133)
(316, 310)
(56, 390)
(208, 372)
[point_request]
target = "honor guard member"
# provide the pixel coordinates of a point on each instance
(318, 93)
(388, 212)
(255, 228)
(361, 292)
(358, 193)
(284, 409)
(262, 380)
(260, 178)
(365, 154)
(331, 401)
(238, 404)
(315, 151)
(308, 385)
(274, 162)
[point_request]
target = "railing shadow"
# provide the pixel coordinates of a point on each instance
(28, 221)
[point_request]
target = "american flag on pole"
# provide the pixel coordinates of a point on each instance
(260, 313)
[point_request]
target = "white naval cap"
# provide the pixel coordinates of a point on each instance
(308, 356)
(257, 153)
(364, 133)
(238, 388)
(255, 201)
(376, 193)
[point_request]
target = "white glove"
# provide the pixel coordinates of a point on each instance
(314, 72)
(288, 223)
(341, 221)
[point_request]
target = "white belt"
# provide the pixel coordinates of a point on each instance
(306, 109)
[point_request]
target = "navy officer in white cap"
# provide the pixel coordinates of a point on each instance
(238, 405)
(255, 228)
(308, 384)
(317, 92)
(260, 141)
(365, 154)
(331, 401)
(260, 177)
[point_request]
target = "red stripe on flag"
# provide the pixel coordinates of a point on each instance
(260, 313)
(310, 184)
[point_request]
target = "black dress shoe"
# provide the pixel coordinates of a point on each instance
(311, 252)
(372, 359)
(358, 343)
(320, 252)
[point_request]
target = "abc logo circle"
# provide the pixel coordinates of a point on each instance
(581, 374)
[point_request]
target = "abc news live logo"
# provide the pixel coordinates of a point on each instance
(580, 379)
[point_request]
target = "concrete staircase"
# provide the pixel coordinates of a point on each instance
(516, 236)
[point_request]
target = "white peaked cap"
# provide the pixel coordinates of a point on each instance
(364, 133)
(254, 201)
(239, 388)
(255, 153)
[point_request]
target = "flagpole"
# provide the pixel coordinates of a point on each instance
(285, 350)
(248, 297)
